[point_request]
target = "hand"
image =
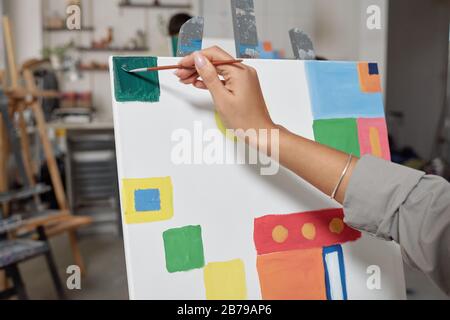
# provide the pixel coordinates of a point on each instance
(238, 97)
(240, 104)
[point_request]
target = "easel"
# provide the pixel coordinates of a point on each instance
(246, 35)
(3, 147)
(4, 151)
(21, 99)
(16, 250)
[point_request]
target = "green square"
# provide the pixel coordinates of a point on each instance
(140, 86)
(340, 134)
(184, 249)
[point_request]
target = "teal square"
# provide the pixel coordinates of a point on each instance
(140, 86)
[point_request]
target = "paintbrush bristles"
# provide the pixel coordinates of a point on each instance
(135, 70)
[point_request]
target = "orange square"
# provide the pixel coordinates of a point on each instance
(267, 45)
(292, 275)
(370, 83)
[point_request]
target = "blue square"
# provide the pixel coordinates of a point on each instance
(335, 92)
(147, 200)
(373, 68)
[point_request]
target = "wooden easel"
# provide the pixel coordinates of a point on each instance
(3, 147)
(21, 99)
(4, 151)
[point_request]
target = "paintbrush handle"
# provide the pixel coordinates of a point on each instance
(225, 62)
(214, 63)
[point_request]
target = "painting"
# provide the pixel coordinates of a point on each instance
(300, 255)
(347, 107)
(147, 199)
(373, 137)
(343, 90)
(225, 280)
(183, 248)
(141, 87)
(340, 134)
(205, 230)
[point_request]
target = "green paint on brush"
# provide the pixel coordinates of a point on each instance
(142, 86)
(184, 249)
(340, 134)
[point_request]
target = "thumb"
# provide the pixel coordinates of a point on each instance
(209, 75)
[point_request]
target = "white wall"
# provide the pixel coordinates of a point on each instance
(337, 28)
(418, 64)
(373, 43)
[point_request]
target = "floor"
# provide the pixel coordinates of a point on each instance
(420, 288)
(106, 273)
(106, 277)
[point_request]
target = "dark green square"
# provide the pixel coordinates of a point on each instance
(142, 86)
(184, 249)
(340, 134)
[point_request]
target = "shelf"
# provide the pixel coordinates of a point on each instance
(154, 6)
(83, 29)
(109, 49)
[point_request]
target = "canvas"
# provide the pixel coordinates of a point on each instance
(191, 222)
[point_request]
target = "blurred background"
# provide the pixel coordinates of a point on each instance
(71, 148)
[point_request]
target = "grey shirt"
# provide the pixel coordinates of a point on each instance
(396, 203)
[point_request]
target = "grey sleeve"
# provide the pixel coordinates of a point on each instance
(396, 203)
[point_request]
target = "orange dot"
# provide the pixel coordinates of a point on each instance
(336, 225)
(309, 231)
(280, 234)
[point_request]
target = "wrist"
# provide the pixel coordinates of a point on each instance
(268, 141)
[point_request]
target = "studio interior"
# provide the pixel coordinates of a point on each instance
(60, 198)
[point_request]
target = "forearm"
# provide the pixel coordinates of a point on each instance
(317, 164)
(240, 104)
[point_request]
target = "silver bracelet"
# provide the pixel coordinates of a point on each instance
(344, 172)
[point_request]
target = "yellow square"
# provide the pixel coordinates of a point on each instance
(129, 188)
(225, 280)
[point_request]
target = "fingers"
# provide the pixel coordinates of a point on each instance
(212, 54)
(199, 84)
(190, 80)
(209, 75)
(216, 53)
(183, 74)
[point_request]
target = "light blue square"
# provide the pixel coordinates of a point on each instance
(147, 200)
(336, 93)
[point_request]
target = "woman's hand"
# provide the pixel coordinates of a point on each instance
(238, 97)
(240, 103)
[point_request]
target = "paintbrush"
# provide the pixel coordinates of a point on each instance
(214, 63)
